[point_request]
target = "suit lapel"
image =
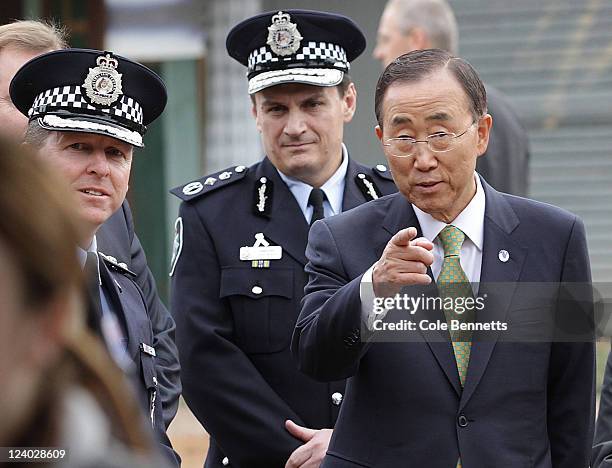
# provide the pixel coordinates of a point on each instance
(401, 215)
(500, 222)
(285, 225)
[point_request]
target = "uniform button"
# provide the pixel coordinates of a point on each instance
(240, 169)
(336, 398)
(381, 168)
(257, 290)
(462, 421)
(225, 461)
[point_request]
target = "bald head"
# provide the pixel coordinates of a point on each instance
(408, 25)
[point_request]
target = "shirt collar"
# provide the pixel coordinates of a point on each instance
(333, 187)
(82, 254)
(470, 220)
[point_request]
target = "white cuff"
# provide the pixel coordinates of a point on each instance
(366, 294)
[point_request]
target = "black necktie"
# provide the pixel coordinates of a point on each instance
(316, 200)
(92, 277)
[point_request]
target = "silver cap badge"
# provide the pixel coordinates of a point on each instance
(103, 83)
(283, 36)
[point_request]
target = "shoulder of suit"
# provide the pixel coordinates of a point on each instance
(382, 171)
(209, 183)
(377, 172)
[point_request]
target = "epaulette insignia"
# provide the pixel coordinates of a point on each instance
(382, 171)
(367, 186)
(262, 197)
(114, 264)
(209, 183)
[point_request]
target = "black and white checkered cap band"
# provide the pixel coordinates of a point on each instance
(316, 52)
(70, 97)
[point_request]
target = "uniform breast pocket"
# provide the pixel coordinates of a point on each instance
(263, 306)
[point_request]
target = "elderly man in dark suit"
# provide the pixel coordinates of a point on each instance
(464, 394)
(602, 443)
(407, 25)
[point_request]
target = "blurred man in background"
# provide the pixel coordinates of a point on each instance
(20, 42)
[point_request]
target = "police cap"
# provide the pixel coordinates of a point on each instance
(295, 46)
(90, 91)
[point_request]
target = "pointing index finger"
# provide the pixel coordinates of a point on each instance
(404, 236)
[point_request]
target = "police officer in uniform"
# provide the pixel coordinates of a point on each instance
(238, 263)
(87, 111)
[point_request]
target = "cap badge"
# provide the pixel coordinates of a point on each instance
(103, 83)
(283, 36)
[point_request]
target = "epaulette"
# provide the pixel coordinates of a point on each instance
(209, 183)
(114, 264)
(367, 185)
(382, 171)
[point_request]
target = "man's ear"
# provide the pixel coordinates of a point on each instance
(379, 132)
(255, 115)
(419, 39)
(349, 101)
(484, 129)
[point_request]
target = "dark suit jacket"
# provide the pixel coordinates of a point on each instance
(602, 445)
(523, 405)
(505, 164)
(145, 317)
(238, 374)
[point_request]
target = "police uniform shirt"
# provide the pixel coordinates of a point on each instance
(333, 189)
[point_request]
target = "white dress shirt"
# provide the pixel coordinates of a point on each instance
(470, 221)
(333, 188)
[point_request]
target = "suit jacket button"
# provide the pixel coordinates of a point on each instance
(462, 421)
(225, 461)
(336, 398)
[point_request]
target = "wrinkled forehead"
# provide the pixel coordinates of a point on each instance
(60, 137)
(436, 96)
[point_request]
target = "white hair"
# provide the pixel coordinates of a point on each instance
(435, 17)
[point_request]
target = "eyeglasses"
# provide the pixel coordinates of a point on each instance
(441, 142)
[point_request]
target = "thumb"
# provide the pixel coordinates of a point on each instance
(404, 236)
(299, 432)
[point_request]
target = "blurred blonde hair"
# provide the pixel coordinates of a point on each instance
(33, 35)
(39, 228)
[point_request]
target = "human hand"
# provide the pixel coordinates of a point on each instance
(403, 262)
(309, 455)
